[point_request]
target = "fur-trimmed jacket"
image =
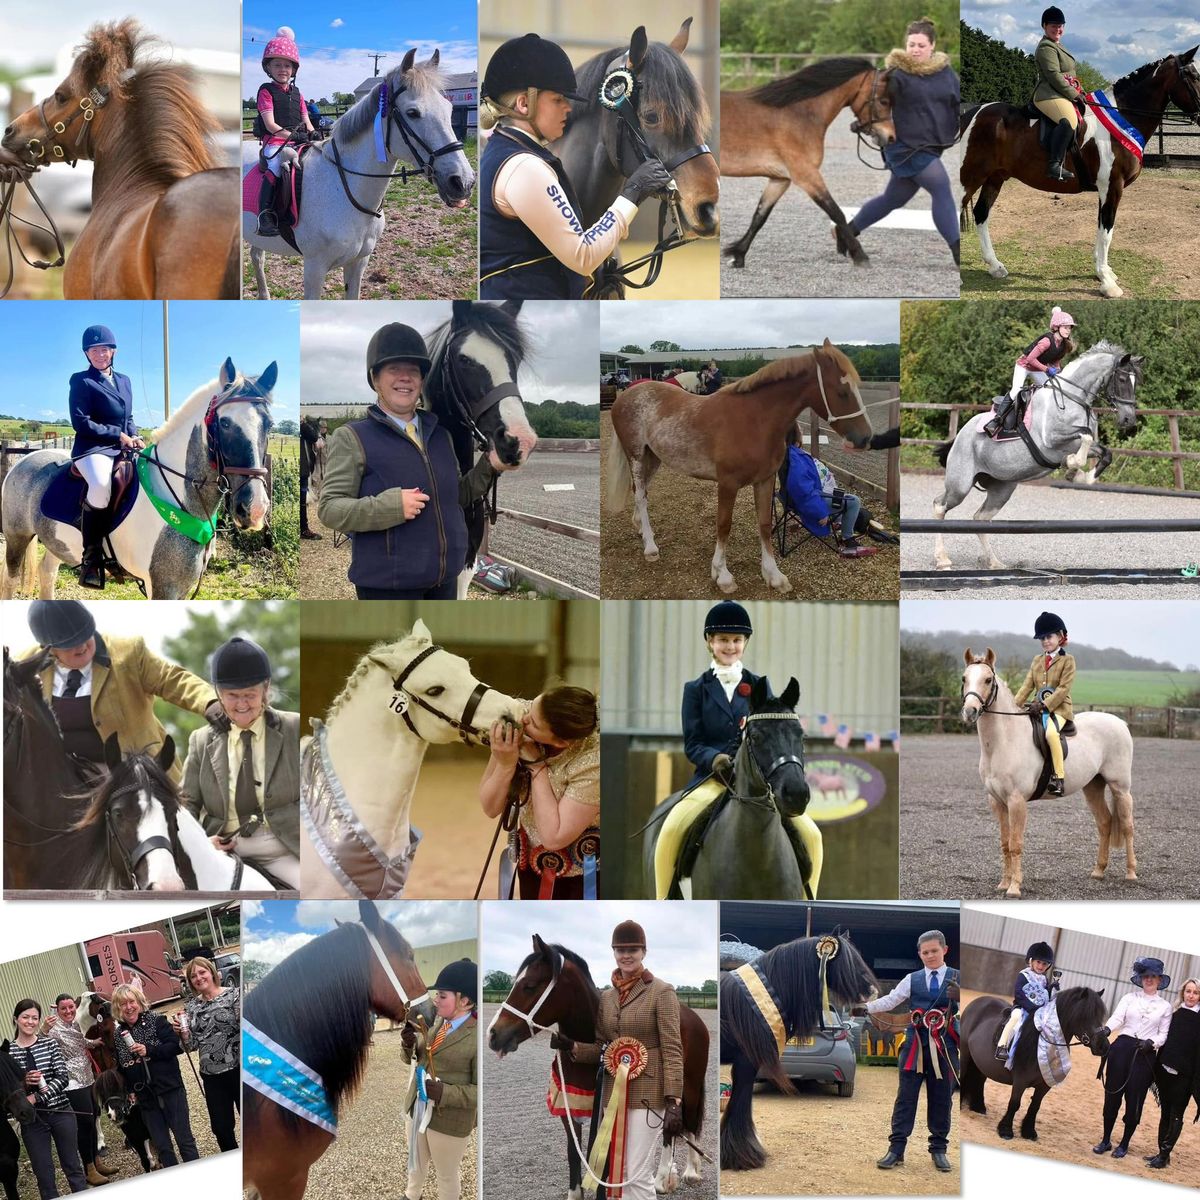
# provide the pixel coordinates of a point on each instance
(925, 98)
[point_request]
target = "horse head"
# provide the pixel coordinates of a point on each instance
(411, 996)
(1184, 88)
(847, 974)
(872, 107)
(540, 998)
(1081, 1014)
(837, 381)
(774, 737)
(237, 423)
(979, 684)
(1123, 383)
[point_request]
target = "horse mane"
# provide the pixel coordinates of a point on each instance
(559, 955)
(810, 81)
(421, 78)
(188, 413)
(1139, 75)
(790, 368)
(491, 321)
(1080, 1009)
(361, 668)
(794, 971)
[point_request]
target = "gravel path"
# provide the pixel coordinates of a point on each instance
(955, 843)
(524, 1147)
(918, 492)
(793, 254)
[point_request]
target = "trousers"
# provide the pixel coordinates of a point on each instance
(938, 1095)
(446, 1154)
(97, 470)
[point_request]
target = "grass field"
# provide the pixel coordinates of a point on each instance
(1153, 688)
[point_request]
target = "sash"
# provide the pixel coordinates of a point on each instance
(279, 1075)
(760, 991)
(1118, 126)
(1054, 1061)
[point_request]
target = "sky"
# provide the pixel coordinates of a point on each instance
(681, 941)
(1113, 39)
(731, 324)
(336, 42)
(203, 333)
(562, 365)
(1165, 630)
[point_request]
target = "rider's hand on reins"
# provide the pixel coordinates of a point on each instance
(413, 501)
(222, 844)
(648, 180)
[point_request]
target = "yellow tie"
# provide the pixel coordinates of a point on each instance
(411, 430)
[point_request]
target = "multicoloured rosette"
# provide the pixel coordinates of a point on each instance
(625, 1058)
(827, 948)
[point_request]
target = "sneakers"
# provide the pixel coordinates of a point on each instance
(853, 550)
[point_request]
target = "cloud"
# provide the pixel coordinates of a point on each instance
(251, 910)
(274, 949)
(422, 922)
(336, 23)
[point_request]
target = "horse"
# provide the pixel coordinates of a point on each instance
(211, 451)
(14, 1102)
(472, 387)
(736, 436)
(1063, 428)
(1080, 1012)
(754, 814)
(778, 130)
(1002, 143)
(359, 771)
(1101, 754)
(655, 110)
(315, 1006)
(555, 985)
(164, 213)
(803, 976)
(112, 1095)
(340, 222)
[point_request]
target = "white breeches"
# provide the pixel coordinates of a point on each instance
(1019, 375)
(446, 1154)
(97, 470)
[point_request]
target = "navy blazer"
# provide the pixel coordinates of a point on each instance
(100, 411)
(712, 725)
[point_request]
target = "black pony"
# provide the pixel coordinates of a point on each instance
(13, 1103)
(793, 978)
(112, 1092)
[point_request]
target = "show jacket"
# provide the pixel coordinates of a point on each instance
(100, 411)
(651, 1014)
(712, 725)
(206, 777)
(1053, 62)
(1059, 676)
(126, 679)
(455, 1063)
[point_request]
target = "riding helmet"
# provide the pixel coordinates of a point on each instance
(239, 663)
(1040, 950)
(282, 45)
(1150, 966)
(1053, 16)
(396, 343)
(629, 933)
(526, 62)
(60, 624)
(727, 616)
(1048, 623)
(461, 976)
(98, 335)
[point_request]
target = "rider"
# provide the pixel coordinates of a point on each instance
(1049, 683)
(101, 404)
(531, 242)
(1040, 361)
(1033, 989)
(283, 112)
(1177, 1072)
(924, 91)
(1057, 89)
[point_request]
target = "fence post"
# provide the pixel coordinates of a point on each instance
(1177, 463)
(954, 422)
(1170, 722)
(892, 498)
(941, 716)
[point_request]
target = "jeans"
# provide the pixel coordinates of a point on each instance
(58, 1126)
(171, 1118)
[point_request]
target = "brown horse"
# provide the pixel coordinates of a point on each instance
(736, 436)
(165, 220)
(1002, 143)
(778, 130)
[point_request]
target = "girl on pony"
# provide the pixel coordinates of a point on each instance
(1049, 683)
(1039, 361)
(283, 112)
(1033, 989)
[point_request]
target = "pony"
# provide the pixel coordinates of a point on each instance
(164, 214)
(211, 451)
(1081, 1017)
(667, 118)
(1064, 428)
(737, 436)
(555, 985)
(1101, 754)
(316, 1004)
(14, 1102)
(803, 976)
(400, 698)
(750, 850)
(1002, 143)
(778, 130)
(341, 221)
(112, 1094)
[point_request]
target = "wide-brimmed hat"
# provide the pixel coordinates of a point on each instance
(629, 933)
(1150, 966)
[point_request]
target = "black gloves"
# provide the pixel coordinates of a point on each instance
(722, 767)
(1147, 1046)
(565, 1044)
(214, 714)
(408, 1037)
(672, 1121)
(649, 178)
(1036, 707)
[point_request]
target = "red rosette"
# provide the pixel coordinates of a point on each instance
(743, 689)
(626, 1050)
(935, 1020)
(917, 1017)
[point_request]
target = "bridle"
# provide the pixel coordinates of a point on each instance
(130, 859)
(767, 800)
(87, 108)
(874, 114)
(403, 698)
(1114, 389)
(874, 117)
(388, 970)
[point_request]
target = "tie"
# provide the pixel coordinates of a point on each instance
(74, 682)
(411, 430)
(933, 984)
(245, 796)
(439, 1037)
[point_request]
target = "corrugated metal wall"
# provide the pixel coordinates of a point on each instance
(431, 959)
(845, 657)
(41, 977)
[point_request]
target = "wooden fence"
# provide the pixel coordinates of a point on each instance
(942, 716)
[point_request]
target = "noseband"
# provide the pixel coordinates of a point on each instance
(783, 759)
(984, 705)
(403, 698)
(96, 99)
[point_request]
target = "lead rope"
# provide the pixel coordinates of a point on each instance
(7, 216)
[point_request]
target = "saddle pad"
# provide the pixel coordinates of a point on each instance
(561, 1100)
(63, 499)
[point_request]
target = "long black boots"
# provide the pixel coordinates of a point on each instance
(1060, 140)
(94, 527)
(268, 222)
(996, 424)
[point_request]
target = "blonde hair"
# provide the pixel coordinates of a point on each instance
(127, 991)
(493, 110)
(1183, 988)
(201, 961)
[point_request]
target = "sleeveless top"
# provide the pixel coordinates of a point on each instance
(286, 107)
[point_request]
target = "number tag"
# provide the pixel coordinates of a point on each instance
(399, 702)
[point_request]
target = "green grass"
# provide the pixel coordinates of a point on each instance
(1151, 688)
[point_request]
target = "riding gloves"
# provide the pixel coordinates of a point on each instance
(649, 178)
(214, 714)
(672, 1120)
(565, 1044)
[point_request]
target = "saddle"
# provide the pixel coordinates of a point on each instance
(63, 499)
(288, 191)
(1066, 730)
(1045, 131)
(1019, 415)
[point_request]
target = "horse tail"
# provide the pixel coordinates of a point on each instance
(618, 480)
(964, 213)
(943, 451)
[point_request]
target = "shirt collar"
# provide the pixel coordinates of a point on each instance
(61, 672)
(453, 1025)
(256, 728)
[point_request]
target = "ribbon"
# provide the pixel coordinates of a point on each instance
(589, 877)
(563, 1099)
(754, 983)
(827, 949)
(381, 154)
(192, 527)
(279, 1075)
(1117, 125)
(625, 1059)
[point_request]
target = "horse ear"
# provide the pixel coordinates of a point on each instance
(112, 752)
(228, 373)
(538, 945)
(461, 311)
(368, 914)
(266, 381)
(990, 657)
(166, 754)
(512, 307)
(968, 656)
(420, 632)
(638, 45)
(791, 693)
(436, 58)
(407, 61)
(760, 689)
(1187, 56)
(827, 345)
(1101, 991)
(680, 40)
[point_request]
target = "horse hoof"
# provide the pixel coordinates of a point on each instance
(942, 564)
(999, 271)
(783, 584)
(1003, 885)
(727, 588)
(1131, 877)
(1006, 1134)
(1013, 893)
(651, 556)
(1097, 872)
(1030, 1136)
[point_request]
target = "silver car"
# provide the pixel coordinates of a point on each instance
(827, 1055)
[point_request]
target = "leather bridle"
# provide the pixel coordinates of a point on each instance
(216, 452)
(783, 759)
(403, 698)
(88, 106)
(129, 859)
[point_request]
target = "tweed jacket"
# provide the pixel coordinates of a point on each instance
(455, 1063)
(651, 1014)
(126, 679)
(1060, 676)
(1053, 62)
(206, 777)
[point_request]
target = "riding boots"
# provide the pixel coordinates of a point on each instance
(104, 1168)
(268, 223)
(93, 525)
(1166, 1142)
(889, 1160)
(1060, 140)
(996, 424)
(94, 1178)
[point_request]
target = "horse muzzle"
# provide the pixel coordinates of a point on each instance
(514, 447)
(455, 187)
(505, 1041)
(970, 715)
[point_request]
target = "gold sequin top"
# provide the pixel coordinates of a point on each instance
(574, 775)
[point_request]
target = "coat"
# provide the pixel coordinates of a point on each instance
(100, 411)
(1060, 676)
(1053, 62)
(712, 725)
(206, 777)
(651, 1014)
(455, 1063)
(127, 677)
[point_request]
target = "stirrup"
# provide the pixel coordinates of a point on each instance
(91, 572)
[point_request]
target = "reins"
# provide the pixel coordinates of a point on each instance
(7, 216)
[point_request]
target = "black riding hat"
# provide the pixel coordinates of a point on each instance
(1047, 623)
(526, 62)
(1041, 951)
(240, 663)
(60, 624)
(396, 343)
(727, 616)
(461, 976)
(1053, 16)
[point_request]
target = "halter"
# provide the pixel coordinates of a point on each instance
(388, 970)
(130, 859)
(403, 698)
(527, 1017)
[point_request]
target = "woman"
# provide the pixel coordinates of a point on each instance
(1177, 1071)
(812, 490)
(556, 846)
(645, 1010)
(1041, 360)
(62, 1027)
(1144, 1018)
(48, 1082)
(214, 1021)
(392, 482)
(1057, 89)
(450, 1082)
(531, 243)
(244, 784)
(924, 91)
(150, 1068)
(101, 407)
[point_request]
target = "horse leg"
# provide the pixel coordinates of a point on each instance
(972, 1082)
(1123, 814)
(666, 1178)
(740, 1148)
(1018, 810)
(767, 201)
(1029, 1122)
(982, 210)
(1078, 461)
(764, 493)
(574, 1169)
(47, 574)
(1093, 793)
(1104, 230)
(952, 496)
(998, 494)
(257, 255)
(726, 495)
(1005, 1126)
(352, 276)
(693, 1172)
(314, 278)
(1001, 812)
(815, 186)
(642, 469)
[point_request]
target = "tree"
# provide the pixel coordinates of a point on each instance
(631, 350)
(288, 428)
(665, 347)
(343, 99)
(498, 981)
(710, 986)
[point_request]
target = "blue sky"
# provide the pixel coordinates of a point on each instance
(202, 335)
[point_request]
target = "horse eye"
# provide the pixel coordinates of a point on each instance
(226, 422)
(60, 96)
(650, 118)
(436, 690)
(413, 113)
